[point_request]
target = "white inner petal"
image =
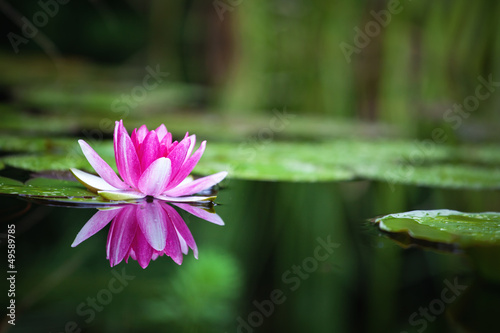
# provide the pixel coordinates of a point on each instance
(185, 199)
(93, 182)
(121, 195)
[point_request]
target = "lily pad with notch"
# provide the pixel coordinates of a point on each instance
(445, 227)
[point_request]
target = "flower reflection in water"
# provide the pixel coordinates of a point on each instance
(146, 231)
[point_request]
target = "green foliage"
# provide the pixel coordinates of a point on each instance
(274, 161)
(55, 191)
(445, 226)
(44, 187)
(44, 162)
(95, 124)
(394, 162)
(28, 144)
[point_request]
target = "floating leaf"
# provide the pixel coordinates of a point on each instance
(393, 162)
(484, 154)
(211, 126)
(274, 161)
(83, 202)
(56, 192)
(46, 162)
(71, 158)
(445, 226)
(4, 182)
(44, 187)
(439, 175)
(28, 144)
(53, 191)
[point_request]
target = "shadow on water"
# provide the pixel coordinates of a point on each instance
(292, 256)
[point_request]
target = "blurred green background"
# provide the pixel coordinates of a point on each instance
(403, 63)
(232, 64)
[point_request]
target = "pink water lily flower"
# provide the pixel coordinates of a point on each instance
(150, 164)
(145, 231)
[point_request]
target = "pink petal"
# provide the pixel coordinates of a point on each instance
(126, 157)
(152, 221)
(181, 227)
(197, 185)
(161, 131)
(186, 180)
(202, 213)
(173, 247)
(133, 137)
(150, 150)
(101, 167)
(184, 247)
(187, 167)
(156, 177)
(96, 223)
(141, 133)
(141, 249)
(166, 144)
(191, 146)
(130, 254)
(121, 234)
(178, 155)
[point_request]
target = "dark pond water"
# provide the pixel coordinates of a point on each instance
(292, 257)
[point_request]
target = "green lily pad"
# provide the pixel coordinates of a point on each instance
(397, 162)
(83, 202)
(211, 126)
(445, 226)
(44, 187)
(438, 175)
(46, 162)
(54, 191)
(5, 182)
(63, 161)
(28, 144)
(274, 161)
(484, 154)
(393, 162)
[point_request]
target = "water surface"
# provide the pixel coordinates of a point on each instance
(291, 257)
